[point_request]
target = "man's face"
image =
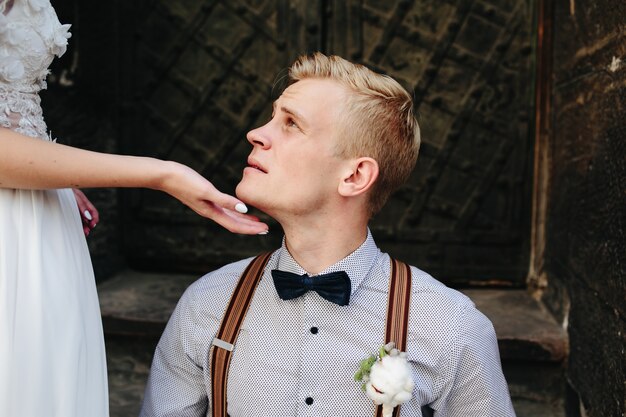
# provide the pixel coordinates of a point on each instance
(292, 168)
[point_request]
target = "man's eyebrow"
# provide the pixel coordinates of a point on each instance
(290, 111)
(294, 113)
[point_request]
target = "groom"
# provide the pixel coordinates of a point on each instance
(340, 140)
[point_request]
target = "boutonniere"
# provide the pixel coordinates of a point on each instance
(386, 378)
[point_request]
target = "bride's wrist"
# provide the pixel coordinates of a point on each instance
(164, 173)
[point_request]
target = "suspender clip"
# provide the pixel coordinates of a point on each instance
(222, 344)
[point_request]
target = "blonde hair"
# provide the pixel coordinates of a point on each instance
(378, 120)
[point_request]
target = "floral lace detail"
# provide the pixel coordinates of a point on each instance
(22, 113)
(30, 37)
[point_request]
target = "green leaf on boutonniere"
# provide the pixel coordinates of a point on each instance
(364, 369)
(382, 352)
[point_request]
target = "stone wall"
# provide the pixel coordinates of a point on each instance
(585, 243)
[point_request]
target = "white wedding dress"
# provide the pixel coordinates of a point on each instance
(52, 359)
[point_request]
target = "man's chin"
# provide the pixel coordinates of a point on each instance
(248, 195)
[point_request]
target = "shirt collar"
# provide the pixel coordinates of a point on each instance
(357, 265)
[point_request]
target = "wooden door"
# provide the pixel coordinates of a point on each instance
(197, 75)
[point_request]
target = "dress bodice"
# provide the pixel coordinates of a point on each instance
(30, 37)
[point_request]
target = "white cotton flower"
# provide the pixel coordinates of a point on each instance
(390, 382)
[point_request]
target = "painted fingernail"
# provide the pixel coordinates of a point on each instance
(263, 232)
(87, 215)
(241, 208)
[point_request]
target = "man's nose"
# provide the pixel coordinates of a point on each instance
(259, 137)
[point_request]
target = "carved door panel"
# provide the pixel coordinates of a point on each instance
(204, 73)
(465, 213)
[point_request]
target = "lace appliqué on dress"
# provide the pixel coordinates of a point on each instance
(30, 36)
(21, 112)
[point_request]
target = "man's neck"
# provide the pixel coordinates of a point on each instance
(317, 247)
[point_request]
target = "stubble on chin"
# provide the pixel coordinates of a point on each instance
(240, 192)
(246, 193)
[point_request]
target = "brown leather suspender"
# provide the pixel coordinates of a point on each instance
(224, 341)
(398, 306)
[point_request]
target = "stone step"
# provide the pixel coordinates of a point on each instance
(525, 329)
(136, 306)
(140, 303)
(533, 349)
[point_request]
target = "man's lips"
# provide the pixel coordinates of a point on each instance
(256, 166)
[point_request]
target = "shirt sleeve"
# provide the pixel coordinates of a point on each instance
(176, 386)
(477, 387)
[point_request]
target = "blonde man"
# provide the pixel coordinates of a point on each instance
(340, 140)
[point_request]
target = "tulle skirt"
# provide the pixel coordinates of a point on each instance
(52, 358)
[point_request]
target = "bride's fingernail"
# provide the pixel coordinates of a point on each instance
(87, 215)
(241, 208)
(263, 232)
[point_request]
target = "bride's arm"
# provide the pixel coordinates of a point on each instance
(29, 163)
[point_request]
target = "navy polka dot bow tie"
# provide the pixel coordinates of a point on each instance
(334, 287)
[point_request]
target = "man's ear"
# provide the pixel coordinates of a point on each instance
(360, 175)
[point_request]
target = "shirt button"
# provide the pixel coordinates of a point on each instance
(314, 330)
(308, 400)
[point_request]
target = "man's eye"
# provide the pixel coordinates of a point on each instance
(291, 123)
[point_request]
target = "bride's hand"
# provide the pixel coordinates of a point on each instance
(201, 196)
(88, 212)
